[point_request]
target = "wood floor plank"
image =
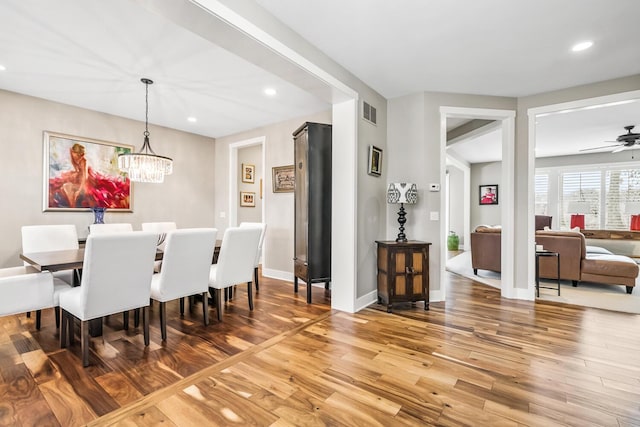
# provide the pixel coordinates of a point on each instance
(476, 359)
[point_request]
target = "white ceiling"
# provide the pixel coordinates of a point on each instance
(92, 53)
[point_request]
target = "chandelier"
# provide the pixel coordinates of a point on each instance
(145, 165)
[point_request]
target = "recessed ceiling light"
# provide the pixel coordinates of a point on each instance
(270, 91)
(3, 68)
(192, 119)
(582, 46)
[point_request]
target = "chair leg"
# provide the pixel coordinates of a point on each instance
(181, 306)
(205, 308)
(136, 317)
(63, 329)
(28, 314)
(125, 320)
(255, 278)
(38, 319)
(84, 332)
(163, 319)
(145, 324)
(71, 337)
(56, 310)
(250, 294)
(219, 304)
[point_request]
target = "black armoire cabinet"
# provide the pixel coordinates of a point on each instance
(312, 242)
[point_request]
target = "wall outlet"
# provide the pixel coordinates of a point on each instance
(434, 187)
(434, 216)
(223, 214)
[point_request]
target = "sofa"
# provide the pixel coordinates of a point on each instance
(578, 262)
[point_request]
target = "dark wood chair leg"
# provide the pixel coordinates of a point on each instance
(255, 278)
(309, 293)
(71, 337)
(250, 294)
(28, 314)
(163, 320)
(38, 319)
(84, 332)
(63, 329)
(219, 304)
(205, 308)
(191, 301)
(56, 310)
(629, 289)
(125, 320)
(295, 284)
(136, 317)
(181, 306)
(145, 324)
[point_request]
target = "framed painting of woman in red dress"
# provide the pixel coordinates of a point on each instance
(82, 173)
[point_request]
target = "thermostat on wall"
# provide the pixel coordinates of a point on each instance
(434, 187)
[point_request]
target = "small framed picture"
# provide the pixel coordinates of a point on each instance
(284, 179)
(248, 173)
(489, 194)
(375, 161)
(248, 199)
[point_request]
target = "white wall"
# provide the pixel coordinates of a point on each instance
(185, 197)
(413, 133)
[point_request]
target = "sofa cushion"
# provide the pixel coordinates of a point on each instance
(609, 265)
(598, 250)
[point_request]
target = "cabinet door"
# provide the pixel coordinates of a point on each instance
(301, 197)
(410, 270)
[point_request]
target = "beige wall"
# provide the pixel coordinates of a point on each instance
(277, 258)
(251, 156)
(485, 174)
(186, 197)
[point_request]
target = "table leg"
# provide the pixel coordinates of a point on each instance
(537, 275)
(558, 259)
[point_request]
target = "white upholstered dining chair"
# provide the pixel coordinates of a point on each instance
(114, 227)
(45, 238)
(235, 263)
(116, 278)
(263, 227)
(185, 270)
(25, 289)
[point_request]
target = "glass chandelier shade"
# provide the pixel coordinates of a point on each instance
(145, 165)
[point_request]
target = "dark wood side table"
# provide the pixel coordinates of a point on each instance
(549, 254)
(403, 272)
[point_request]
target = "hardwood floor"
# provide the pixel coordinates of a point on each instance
(476, 360)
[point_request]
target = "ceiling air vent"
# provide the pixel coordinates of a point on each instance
(369, 113)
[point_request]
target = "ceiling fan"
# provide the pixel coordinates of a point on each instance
(623, 141)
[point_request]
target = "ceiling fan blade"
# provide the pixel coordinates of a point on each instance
(604, 146)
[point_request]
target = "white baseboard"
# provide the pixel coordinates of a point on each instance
(366, 300)
(436, 296)
(286, 276)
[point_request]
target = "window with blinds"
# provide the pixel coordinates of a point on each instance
(611, 193)
(542, 194)
(581, 186)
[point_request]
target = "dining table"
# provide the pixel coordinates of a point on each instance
(72, 260)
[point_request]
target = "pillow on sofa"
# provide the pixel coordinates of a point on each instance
(598, 250)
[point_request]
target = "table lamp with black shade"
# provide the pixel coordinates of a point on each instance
(402, 192)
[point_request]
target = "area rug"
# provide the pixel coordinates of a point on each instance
(587, 294)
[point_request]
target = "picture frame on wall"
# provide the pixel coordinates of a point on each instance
(82, 173)
(248, 173)
(284, 179)
(248, 199)
(488, 194)
(375, 161)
